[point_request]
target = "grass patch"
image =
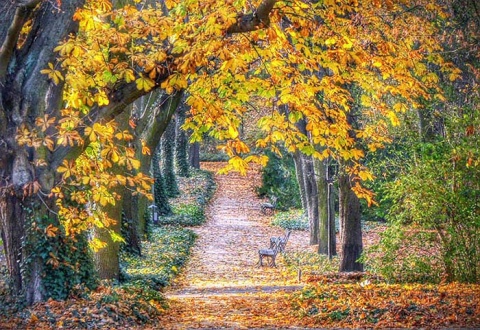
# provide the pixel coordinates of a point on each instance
(292, 219)
(162, 257)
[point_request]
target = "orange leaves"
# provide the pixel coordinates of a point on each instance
(387, 306)
(51, 231)
(31, 188)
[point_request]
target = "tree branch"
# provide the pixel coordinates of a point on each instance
(254, 21)
(21, 14)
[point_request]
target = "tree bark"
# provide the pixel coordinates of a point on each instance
(305, 173)
(327, 239)
(351, 227)
(194, 155)
(153, 119)
(107, 259)
(25, 94)
(160, 195)
(181, 142)
(167, 160)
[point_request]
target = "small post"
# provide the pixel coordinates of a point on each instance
(154, 209)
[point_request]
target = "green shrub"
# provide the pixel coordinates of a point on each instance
(439, 199)
(279, 180)
(405, 255)
(293, 220)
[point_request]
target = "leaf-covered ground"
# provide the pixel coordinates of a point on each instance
(223, 287)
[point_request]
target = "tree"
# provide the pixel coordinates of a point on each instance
(224, 59)
(181, 143)
(160, 195)
(167, 153)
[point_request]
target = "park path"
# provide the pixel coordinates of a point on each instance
(221, 285)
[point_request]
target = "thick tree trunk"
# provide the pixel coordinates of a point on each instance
(327, 239)
(25, 94)
(351, 228)
(12, 207)
(106, 259)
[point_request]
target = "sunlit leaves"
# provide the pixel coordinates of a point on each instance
(144, 83)
(55, 75)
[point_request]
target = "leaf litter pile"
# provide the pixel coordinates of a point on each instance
(222, 286)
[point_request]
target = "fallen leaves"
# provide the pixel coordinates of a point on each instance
(381, 305)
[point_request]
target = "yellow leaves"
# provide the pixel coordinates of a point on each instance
(393, 118)
(400, 107)
(67, 168)
(348, 43)
(96, 244)
(331, 41)
(102, 196)
(144, 83)
(175, 81)
(55, 75)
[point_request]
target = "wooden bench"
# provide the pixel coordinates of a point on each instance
(269, 206)
(277, 245)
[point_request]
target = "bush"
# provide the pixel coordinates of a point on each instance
(279, 180)
(293, 220)
(436, 205)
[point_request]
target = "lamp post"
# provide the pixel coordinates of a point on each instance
(154, 209)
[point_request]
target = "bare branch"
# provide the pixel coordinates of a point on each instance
(254, 21)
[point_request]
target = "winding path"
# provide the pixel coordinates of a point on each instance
(222, 286)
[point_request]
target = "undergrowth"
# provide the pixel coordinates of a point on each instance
(161, 258)
(292, 219)
(189, 208)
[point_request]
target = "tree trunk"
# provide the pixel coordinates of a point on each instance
(305, 172)
(181, 142)
(12, 207)
(25, 94)
(161, 108)
(160, 195)
(351, 227)
(298, 161)
(106, 259)
(194, 155)
(167, 165)
(327, 239)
